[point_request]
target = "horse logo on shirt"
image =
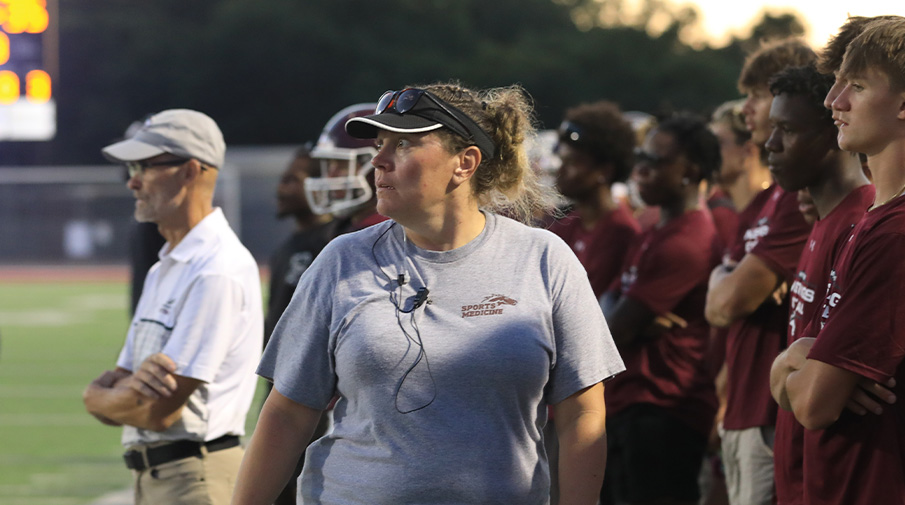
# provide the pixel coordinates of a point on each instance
(499, 300)
(491, 305)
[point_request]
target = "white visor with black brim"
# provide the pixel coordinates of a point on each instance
(425, 116)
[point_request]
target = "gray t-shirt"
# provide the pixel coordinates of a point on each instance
(446, 403)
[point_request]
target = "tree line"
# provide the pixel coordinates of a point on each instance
(274, 72)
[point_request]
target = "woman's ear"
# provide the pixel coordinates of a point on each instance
(469, 160)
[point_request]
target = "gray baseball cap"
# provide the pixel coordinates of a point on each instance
(180, 132)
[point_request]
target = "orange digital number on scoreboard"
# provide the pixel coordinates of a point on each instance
(24, 16)
(28, 58)
(37, 86)
(9, 87)
(16, 17)
(4, 48)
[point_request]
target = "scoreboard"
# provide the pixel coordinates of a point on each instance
(28, 62)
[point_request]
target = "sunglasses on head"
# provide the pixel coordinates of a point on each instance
(405, 100)
(651, 159)
(570, 132)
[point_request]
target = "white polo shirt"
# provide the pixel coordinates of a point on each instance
(201, 305)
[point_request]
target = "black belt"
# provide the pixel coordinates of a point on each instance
(180, 449)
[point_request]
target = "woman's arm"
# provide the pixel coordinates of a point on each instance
(282, 433)
(581, 428)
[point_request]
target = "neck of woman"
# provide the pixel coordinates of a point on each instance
(448, 230)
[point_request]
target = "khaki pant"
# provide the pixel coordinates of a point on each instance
(191, 481)
(748, 463)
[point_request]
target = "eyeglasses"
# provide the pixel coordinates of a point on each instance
(138, 167)
(403, 101)
(654, 160)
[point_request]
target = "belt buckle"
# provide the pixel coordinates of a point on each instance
(135, 460)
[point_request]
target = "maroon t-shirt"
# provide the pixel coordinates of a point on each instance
(774, 231)
(725, 217)
(806, 294)
(602, 249)
(727, 220)
(860, 460)
(667, 270)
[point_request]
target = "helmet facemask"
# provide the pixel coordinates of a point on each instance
(343, 185)
(346, 181)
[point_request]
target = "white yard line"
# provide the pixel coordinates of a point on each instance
(56, 420)
(122, 497)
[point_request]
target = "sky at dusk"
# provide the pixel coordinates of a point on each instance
(722, 18)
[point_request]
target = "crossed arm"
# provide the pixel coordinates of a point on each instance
(736, 291)
(817, 392)
(629, 320)
(152, 398)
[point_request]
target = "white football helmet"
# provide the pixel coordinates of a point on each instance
(345, 165)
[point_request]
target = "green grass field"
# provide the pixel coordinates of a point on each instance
(54, 339)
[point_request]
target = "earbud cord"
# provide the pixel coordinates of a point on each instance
(395, 296)
(421, 354)
(374, 255)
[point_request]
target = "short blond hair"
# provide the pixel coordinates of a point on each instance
(770, 58)
(730, 114)
(880, 46)
(831, 55)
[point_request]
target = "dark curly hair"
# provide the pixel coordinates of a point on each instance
(605, 135)
(805, 81)
(770, 59)
(695, 140)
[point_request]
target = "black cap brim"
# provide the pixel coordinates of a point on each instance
(366, 127)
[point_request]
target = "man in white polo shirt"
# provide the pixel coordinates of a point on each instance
(185, 378)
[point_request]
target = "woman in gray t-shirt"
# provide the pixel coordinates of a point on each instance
(445, 333)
